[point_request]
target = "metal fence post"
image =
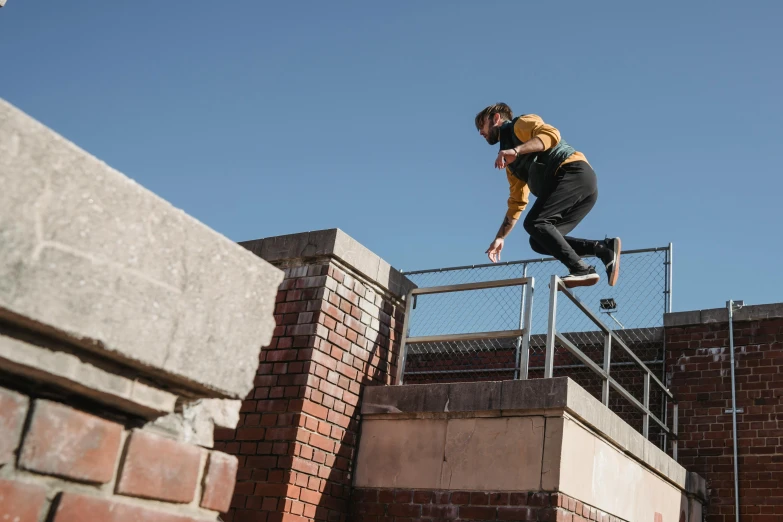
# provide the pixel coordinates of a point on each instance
(527, 326)
(521, 369)
(607, 366)
(549, 361)
(646, 417)
(675, 437)
(403, 346)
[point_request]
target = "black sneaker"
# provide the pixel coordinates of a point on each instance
(609, 252)
(587, 277)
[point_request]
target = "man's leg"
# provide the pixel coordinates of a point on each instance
(558, 211)
(571, 195)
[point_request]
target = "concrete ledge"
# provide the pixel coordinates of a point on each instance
(721, 315)
(67, 371)
(331, 243)
(518, 398)
(91, 257)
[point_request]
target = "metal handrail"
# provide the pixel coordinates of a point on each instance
(522, 333)
(520, 262)
(557, 286)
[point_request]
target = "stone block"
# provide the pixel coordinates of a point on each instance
(696, 485)
(553, 453)
(332, 243)
(535, 394)
(69, 443)
(158, 468)
(474, 396)
(674, 319)
(493, 454)
(67, 371)
(408, 453)
(111, 267)
(413, 398)
(13, 410)
(715, 315)
(197, 421)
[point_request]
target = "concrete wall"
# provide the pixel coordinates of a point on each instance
(539, 436)
(698, 362)
(128, 331)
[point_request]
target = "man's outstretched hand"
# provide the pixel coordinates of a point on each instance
(493, 252)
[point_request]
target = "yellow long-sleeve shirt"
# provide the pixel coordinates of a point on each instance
(526, 128)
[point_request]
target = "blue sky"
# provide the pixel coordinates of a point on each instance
(266, 118)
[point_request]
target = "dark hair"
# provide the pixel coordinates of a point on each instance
(489, 112)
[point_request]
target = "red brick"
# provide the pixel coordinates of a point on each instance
(404, 510)
(80, 508)
(321, 442)
(479, 499)
(159, 468)
(66, 442)
(516, 513)
(21, 502)
(478, 512)
(13, 410)
(219, 481)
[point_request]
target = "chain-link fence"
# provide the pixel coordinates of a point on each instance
(633, 308)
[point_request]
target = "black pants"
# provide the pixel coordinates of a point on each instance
(570, 194)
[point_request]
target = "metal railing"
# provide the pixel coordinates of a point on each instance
(603, 370)
(469, 344)
(478, 323)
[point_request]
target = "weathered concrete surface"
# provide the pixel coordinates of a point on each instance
(331, 243)
(90, 255)
(196, 422)
(493, 454)
(518, 398)
(597, 473)
(404, 453)
(68, 372)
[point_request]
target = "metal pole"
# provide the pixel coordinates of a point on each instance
(554, 282)
(730, 306)
(403, 346)
(607, 365)
(528, 326)
(675, 438)
(670, 273)
(646, 418)
(518, 372)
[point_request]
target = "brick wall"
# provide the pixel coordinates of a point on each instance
(298, 431)
(64, 464)
(698, 360)
(404, 505)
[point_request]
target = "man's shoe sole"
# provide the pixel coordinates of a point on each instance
(572, 283)
(616, 266)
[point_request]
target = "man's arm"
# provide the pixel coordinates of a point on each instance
(536, 136)
(519, 194)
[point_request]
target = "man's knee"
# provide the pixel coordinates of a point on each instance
(534, 227)
(538, 247)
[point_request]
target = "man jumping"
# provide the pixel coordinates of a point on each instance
(537, 161)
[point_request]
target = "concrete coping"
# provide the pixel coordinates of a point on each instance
(520, 398)
(721, 315)
(334, 243)
(92, 258)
